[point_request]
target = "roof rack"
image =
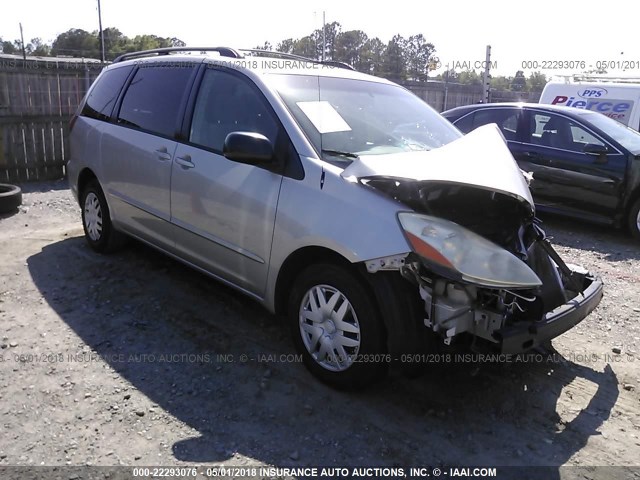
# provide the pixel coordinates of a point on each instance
(270, 53)
(223, 51)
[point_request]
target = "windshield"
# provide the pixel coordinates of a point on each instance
(346, 118)
(625, 136)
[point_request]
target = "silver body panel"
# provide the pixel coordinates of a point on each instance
(223, 213)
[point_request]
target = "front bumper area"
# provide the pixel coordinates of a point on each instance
(526, 335)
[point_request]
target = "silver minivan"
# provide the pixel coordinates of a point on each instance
(337, 199)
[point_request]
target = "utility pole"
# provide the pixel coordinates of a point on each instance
(324, 35)
(446, 88)
(101, 32)
(486, 94)
(24, 52)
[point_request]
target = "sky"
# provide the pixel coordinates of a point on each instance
(528, 36)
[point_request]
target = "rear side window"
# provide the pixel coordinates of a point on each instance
(152, 101)
(506, 119)
(104, 94)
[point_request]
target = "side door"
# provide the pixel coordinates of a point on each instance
(569, 175)
(138, 149)
(224, 211)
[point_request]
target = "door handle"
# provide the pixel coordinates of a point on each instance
(163, 154)
(185, 162)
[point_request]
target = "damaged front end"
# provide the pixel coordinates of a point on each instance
(485, 271)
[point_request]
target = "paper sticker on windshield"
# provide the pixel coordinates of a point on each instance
(324, 117)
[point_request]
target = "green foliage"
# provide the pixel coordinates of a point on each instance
(80, 43)
(76, 43)
(8, 47)
(519, 82)
(394, 63)
(536, 82)
(470, 77)
(418, 53)
(500, 83)
(399, 59)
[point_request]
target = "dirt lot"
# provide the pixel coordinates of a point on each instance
(133, 359)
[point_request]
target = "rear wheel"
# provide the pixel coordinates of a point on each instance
(96, 220)
(634, 219)
(336, 327)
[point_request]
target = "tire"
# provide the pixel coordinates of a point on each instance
(329, 348)
(96, 220)
(633, 220)
(10, 198)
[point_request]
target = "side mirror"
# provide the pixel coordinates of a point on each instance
(248, 147)
(599, 151)
(595, 149)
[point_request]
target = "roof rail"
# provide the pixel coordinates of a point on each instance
(223, 51)
(598, 78)
(271, 53)
(335, 63)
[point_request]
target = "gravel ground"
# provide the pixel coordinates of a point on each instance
(133, 359)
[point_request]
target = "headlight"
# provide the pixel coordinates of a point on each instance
(458, 253)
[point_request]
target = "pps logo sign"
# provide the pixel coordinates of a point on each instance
(593, 92)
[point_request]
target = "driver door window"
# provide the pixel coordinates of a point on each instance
(554, 131)
(228, 104)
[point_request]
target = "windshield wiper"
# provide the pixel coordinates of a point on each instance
(339, 153)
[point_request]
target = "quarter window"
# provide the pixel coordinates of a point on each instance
(104, 94)
(153, 99)
(506, 119)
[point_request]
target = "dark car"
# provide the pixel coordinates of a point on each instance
(584, 164)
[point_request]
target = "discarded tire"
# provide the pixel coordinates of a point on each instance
(10, 198)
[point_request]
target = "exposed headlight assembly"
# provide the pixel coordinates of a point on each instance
(460, 254)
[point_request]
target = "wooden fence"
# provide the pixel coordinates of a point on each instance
(37, 99)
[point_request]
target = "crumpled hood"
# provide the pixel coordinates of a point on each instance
(480, 158)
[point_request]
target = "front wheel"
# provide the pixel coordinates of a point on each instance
(634, 219)
(336, 327)
(98, 229)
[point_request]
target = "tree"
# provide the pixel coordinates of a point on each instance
(306, 47)
(470, 77)
(115, 43)
(519, 82)
(38, 48)
(176, 42)
(373, 56)
(500, 83)
(8, 47)
(418, 53)
(394, 62)
(286, 46)
(351, 48)
(76, 43)
(449, 76)
(536, 81)
(149, 42)
(330, 36)
(265, 46)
